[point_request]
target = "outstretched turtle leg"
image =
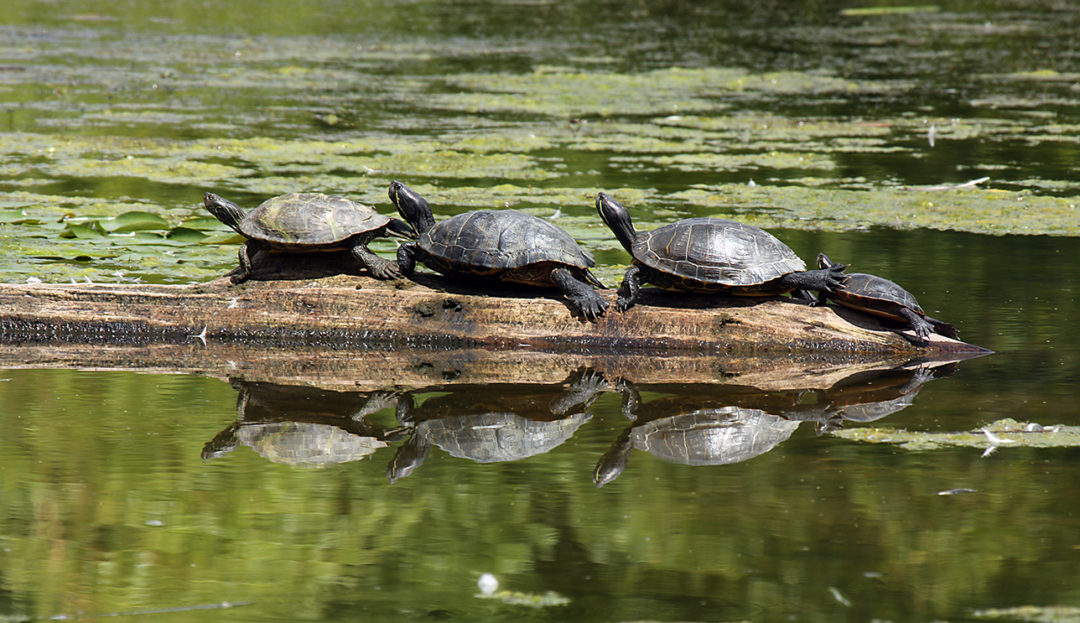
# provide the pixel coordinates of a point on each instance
(583, 298)
(630, 288)
(826, 280)
(246, 254)
(406, 258)
(918, 323)
(379, 267)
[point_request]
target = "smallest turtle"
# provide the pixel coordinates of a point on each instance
(307, 222)
(879, 296)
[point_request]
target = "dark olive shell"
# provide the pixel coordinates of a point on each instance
(488, 241)
(310, 219)
(876, 295)
(716, 251)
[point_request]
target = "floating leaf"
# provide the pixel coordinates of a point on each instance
(185, 234)
(137, 221)
(92, 230)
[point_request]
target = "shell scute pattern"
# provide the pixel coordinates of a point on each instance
(716, 251)
(310, 219)
(877, 295)
(501, 240)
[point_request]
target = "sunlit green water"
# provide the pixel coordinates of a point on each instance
(841, 121)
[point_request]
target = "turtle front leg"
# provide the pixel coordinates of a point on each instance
(826, 280)
(246, 255)
(630, 288)
(379, 267)
(922, 328)
(406, 257)
(583, 298)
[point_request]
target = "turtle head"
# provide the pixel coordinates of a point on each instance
(823, 261)
(617, 218)
(224, 210)
(412, 207)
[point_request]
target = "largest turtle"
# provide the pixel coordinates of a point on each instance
(304, 222)
(710, 255)
(503, 245)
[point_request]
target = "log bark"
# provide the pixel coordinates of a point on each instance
(347, 331)
(359, 313)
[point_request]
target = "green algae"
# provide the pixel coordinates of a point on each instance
(1031, 614)
(561, 92)
(1004, 433)
(970, 209)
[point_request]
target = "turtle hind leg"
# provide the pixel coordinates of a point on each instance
(246, 255)
(943, 328)
(583, 298)
(922, 328)
(379, 267)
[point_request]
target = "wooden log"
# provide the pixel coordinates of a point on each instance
(358, 313)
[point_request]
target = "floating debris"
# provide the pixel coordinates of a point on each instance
(1034, 614)
(488, 584)
(838, 596)
(957, 491)
(532, 600)
(1002, 432)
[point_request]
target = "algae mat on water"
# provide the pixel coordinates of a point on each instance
(1005, 433)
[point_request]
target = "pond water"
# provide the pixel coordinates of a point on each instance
(862, 130)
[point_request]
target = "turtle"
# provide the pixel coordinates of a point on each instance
(500, 245)
(716, 436)
(304, 426)
(883, 298)
(304, 222)
(710, 255)
(489, 424)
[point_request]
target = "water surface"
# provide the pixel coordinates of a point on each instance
(865, 134)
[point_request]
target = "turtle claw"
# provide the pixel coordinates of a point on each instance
(593, 307)
(835, 277)
(389, 270)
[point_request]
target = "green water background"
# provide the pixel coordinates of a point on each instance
(117, 116)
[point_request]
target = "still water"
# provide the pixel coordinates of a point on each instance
(737, 496)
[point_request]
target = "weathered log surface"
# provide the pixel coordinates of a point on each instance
(358, 313)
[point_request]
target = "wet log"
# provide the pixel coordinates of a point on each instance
(356, 313)
(360, 313)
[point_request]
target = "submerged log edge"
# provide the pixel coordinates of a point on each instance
(359, 313)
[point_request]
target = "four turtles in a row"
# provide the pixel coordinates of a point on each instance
(695, 255)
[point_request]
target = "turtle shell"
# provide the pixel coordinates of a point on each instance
(876, 295)
(499, 436)
(713, 436)
(716, 251)
(306, 444)
(310, 219)
(491, 241)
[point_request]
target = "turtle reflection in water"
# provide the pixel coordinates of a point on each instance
(304, 426)
(701, 436)
(492, 423)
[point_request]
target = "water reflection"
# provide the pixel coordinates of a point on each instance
(692, 424)
(494, 423)
(723, 424)
(305, 426)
